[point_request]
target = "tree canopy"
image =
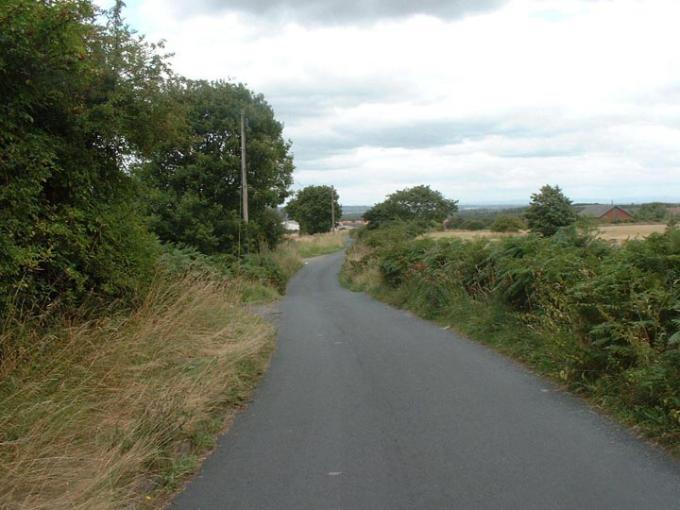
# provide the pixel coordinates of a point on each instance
(195, 196)
(79, 100)
(100, 140)
(311, 207)
(420, 203)
(549, 210)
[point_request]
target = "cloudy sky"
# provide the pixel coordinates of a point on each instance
(485, 100)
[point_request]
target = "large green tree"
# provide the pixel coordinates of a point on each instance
(311, 207)
(79, 100)
(194, 185)
(549, 211)
(420, 203)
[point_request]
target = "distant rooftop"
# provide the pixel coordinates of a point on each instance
(597, 210)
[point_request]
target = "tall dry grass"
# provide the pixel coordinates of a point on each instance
(320, 244)
(359, 273)
(113, 413)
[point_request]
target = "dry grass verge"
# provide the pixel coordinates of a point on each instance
(113, 413)
(320, 244)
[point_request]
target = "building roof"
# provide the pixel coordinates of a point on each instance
(598, 210)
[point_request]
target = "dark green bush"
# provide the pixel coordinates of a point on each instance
(75, 103)
(263, 268)
(260, 267)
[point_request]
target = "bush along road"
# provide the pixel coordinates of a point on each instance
(369, 407)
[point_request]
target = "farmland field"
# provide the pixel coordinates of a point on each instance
(624, 231)
(472, 234)
(618, 233)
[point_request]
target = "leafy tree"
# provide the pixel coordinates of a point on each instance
(549, 210)
(419, 203)
(195, 185)
(79, 100)
(311, 207)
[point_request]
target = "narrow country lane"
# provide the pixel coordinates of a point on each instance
(367, 407)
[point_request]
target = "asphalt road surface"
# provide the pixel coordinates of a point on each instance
(367, 407)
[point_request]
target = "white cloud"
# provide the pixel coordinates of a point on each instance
(487, 107)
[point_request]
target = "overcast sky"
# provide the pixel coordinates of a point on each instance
(485, 100)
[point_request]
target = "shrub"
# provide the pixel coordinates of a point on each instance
(72, 110)
(506, 223)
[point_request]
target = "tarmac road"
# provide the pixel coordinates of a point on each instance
(367, 407)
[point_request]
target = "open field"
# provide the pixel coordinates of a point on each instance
(618, 233)
(320, 244)
(472, 234)
(624, 231)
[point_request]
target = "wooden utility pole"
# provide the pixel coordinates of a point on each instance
(332, 209)
(244, 179)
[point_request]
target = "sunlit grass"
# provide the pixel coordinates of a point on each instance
(609, 232)
(115, 412)
(320, 244)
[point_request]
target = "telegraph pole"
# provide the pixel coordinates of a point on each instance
(244, 179)
(332, 209)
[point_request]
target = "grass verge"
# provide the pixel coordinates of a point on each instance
(116, 412)
(320, 244)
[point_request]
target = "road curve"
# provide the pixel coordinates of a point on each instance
(367, 407)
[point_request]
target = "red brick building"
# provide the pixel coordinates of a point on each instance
(606, 213)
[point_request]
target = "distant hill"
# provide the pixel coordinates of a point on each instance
(354, 212)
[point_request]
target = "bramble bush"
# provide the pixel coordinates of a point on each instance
(77, 100)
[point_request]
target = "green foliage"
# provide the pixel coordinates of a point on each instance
(96, 132)
(269, 270)
(311, 207)
(266, 229)
(78, 101)
(507, 223)
(390, 234)
(604, 319)
(549, 210)
(654, 211)
(473, 224)
(419, 203)
(194, 183)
